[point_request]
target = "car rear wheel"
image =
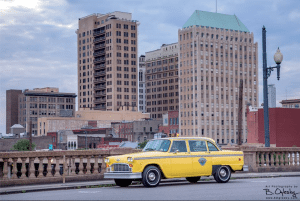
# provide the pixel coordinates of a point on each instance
(151, 176)
(193, 179)
(123, 182)
(223, 174)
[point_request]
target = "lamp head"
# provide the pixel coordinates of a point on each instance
(278, 57)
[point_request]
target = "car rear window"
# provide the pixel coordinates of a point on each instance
(211, 147)
(197, 145)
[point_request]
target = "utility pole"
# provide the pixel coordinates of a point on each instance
(240, 114)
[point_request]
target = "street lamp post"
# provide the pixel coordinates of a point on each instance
(278, 57)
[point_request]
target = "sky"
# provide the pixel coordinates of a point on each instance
(38, 40)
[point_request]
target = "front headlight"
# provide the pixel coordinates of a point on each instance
(106, 160)
(130, 159)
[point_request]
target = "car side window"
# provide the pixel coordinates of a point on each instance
(178, 145)
(211, 147)
(197, 145)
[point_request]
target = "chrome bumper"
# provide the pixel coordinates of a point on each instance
(245, 168)
(123, 175)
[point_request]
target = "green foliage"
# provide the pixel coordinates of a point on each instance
(142, 144)
(23, 145)
(23, 191)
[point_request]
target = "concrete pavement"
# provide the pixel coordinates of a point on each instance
(105, 183)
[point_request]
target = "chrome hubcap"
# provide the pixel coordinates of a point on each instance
(151, 176)
(223, 173)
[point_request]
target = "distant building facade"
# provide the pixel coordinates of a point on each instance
(12, 109)
(272, 95)
(44, 102)
(216, 52)
(292, 103)
(162, 92)
(170, 123)
(142, 84)
(107, 61)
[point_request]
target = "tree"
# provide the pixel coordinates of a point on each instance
(142, 144)
(23, 145)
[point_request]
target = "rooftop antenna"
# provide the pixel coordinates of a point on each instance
(216, 6)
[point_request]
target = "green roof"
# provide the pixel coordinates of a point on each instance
(217, 20)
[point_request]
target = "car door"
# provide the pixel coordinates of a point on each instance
(201, 158)
(180, 159)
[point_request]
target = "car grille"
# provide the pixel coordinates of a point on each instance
(119, 167)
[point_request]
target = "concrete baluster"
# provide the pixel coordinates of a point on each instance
(290, 158)
(103, 165)
(272, 159)
(41, 167)
(5, 168)
(57, 167)
(257, 159)
(297, 158)
(73, 166)
(15, 169)
(23, 170)
(88, 165)
(267, 159)
(281, 159)
(96, 165)
(49, 168)
(286, 158)
(81, 166)
(277, 158)
(31, 168)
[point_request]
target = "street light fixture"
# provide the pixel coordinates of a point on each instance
(278, 57)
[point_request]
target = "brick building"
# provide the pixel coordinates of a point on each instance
(284, 127)
(170, 123)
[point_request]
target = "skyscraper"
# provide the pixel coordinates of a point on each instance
(107, 61)
(216, 52)
(272, 95)
(162, 80)
(142, 84)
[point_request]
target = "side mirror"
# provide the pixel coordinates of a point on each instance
(176, 151)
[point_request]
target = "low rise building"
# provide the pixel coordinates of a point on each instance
(292, 103)
(170, 123)
(284, 127)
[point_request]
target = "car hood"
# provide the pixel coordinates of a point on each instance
(123, 158)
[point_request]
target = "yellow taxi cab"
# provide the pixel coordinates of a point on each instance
(175, 157)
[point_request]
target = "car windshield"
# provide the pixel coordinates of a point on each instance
(157, 145)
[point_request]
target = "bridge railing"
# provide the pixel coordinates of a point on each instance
(32, 167)
(271, 159)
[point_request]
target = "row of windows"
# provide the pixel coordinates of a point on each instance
(154, 63)
(187, 36)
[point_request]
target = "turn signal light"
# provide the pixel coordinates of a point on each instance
(130, 165)
(240, 159)
(107, 165)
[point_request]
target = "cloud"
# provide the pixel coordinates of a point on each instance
(294, 15)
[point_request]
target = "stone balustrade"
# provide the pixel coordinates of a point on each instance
(271, 159)
(33, 167)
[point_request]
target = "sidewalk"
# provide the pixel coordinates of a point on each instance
(103, 183)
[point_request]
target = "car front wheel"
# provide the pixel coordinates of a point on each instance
(223, 174)
(151, 176)
(193, 179)
(123, 182)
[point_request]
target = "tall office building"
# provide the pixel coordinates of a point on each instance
(216, 52)
(12, 109)
(272, 95)
(107, 61)
(44, 102)
(162, 80)
(142, 84)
